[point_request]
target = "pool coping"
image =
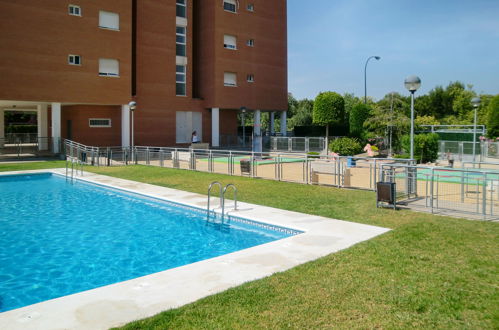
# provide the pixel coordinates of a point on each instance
(123, 302)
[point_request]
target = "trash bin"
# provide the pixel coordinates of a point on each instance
(245, 166)
(351, 162)
(385, 192)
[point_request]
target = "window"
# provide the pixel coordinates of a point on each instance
(74, 10)
(181, 8)
(180, 80)
(74, 59)
(230, 5)
(230, 42)
(181, 40)
(99, 122)
(109, 67)
(250, 7)
(250, 78)
(230, 79)
(108, 20)
(250, 42)
(186, 123)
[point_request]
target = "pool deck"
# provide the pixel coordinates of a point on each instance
(123, 302)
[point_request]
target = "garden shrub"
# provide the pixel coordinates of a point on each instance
(345, 146)
(358, 115)
(493, 118)
(425, 147)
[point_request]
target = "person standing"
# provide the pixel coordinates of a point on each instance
(195, 138)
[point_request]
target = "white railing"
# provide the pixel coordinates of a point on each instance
(463, 150)
(28, 146)
(297, 144)
(450, 191)
(339, 171)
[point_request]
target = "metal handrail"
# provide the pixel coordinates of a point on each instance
(209, 195)
(223, 200)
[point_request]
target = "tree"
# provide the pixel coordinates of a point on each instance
(425, 146)
(493, 118)
(358, 115)
(389, 119)
(302, 116)
(425, 120)
(350, 101)
(329, 109)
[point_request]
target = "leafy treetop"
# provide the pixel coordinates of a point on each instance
(329, 109)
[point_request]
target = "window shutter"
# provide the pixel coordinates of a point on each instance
(109, 20)
(230, 79)
(230, 41)
(109, 67)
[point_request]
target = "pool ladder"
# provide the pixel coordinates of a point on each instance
(75, 164)
(222, 201)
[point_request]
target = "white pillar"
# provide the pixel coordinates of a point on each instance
(257, 124)
(272, 126)
(43, 126)
(215, 127)
(283, 123)
(56, 126)
(257, 131)
(125, 125)
(2, 128)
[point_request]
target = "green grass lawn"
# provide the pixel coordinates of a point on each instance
(428, 272)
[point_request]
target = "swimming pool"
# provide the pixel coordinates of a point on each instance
(58, 238)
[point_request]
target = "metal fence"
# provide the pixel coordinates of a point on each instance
(297, 144)
(467, 192)
(343, 172)
(463, 151)
(27, 145)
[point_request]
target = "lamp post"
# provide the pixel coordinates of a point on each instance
(132, 105)
(391, 123)
(243, 112)
(365, 76)
(412, 83)
(476, 103)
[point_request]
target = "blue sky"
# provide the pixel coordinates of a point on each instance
(438, 40)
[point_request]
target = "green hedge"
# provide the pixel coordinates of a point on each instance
(334, 130)
(425, 147)
(21, 129)
(465, 137)
(345, 146)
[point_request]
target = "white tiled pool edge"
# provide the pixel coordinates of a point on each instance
(120, 303)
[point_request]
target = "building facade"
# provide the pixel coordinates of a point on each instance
(188, 64)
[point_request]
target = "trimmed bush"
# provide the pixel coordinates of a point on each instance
(425, 147)
(358, 115)
(345, 146)
(493, 118)
(329, 109)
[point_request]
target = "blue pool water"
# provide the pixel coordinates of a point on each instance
(58, 238)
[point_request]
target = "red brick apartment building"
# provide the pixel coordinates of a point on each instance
(188, 64)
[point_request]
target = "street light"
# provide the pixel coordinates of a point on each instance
(365, 76)
(391, 123)
(412, 83)
(132, 105)
(476, 103)
(243, 112)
